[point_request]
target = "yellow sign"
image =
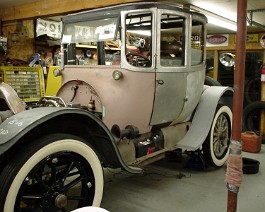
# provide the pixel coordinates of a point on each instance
(252, 38)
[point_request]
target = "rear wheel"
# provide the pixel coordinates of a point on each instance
(55, 173)
(215, 147)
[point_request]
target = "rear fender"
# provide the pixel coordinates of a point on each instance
(11, 98)
(204, 114)
(26, 126)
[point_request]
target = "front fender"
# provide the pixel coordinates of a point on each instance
(204, 114)
(22, 124)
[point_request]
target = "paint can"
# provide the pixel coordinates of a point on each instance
(251, 142)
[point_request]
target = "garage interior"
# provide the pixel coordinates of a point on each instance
(180, 182)
(171, 186)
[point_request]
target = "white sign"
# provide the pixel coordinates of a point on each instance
(106, 32)
(83, 33)
(66, 39)
(49, 28)
(217, 40)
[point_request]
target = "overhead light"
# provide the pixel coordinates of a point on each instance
(221, 23)
(215, 19)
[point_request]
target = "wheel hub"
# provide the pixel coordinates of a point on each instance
(60, 201)
(221, 136)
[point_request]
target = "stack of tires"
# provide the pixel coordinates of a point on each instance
(251, 117)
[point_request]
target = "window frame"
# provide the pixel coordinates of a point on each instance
(124, 63)
(186, 33)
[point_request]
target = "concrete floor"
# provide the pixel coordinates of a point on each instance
(169, 187)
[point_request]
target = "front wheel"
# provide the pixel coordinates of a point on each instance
(216, 145)
(55, 173)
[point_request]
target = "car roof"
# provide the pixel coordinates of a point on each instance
(114, 11)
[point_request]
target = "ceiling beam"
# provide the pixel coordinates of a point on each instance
(46, 8)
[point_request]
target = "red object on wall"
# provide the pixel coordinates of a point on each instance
(262, 78)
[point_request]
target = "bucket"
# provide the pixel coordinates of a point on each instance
(250, 166)
(251, 142)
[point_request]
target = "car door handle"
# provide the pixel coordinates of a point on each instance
(160, 82)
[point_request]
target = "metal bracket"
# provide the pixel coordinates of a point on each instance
(250, 19)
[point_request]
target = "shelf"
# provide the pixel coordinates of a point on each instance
(94, 47)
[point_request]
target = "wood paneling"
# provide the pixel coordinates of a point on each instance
(24, 47)
(53, 7)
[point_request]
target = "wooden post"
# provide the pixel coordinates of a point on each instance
(262, 115)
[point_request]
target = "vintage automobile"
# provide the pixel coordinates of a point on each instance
(143, 97)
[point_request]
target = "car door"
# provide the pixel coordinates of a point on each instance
(171, 72)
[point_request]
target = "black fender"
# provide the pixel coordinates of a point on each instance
(31, 124)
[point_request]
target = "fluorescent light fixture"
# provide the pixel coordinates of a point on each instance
(215, 19)
(221, 23)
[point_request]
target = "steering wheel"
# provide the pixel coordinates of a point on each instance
(136, 59)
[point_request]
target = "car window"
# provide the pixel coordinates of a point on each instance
(172, 40)
(197, 43)
(82, 40)
(138, 39)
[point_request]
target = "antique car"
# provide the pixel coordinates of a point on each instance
(134, 93)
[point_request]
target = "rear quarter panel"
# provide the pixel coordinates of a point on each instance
(125, 101)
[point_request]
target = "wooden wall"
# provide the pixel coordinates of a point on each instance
(39, 9)
(42, 8)
(23, 48)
